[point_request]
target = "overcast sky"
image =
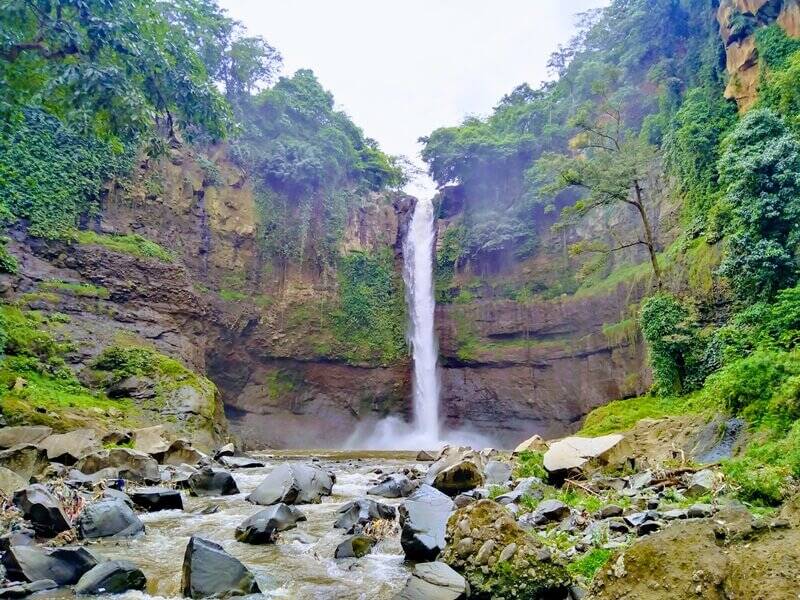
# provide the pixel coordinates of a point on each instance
(401, 68)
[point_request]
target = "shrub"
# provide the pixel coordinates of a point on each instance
(530, 464)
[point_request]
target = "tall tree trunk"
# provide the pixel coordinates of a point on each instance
(649, 238)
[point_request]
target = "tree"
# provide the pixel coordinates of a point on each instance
(608, 166)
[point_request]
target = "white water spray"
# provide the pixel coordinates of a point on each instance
(418, 276)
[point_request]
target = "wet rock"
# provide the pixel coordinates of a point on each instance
(112, 494)
(151, 440)
(497, 473)
(530, 487)
(533, 444)
(65, 566)
(209, 571)
(647, 528)
(181, 452)
(212, 482)
(355, 546)
(434, 581)
(23, 590)
(154, 499)
(456, 471)
(576, 453)
(393, 486)
(108, 518)
(263, 527)
(26, 434)
(69, 448)
(10, 482)
(356, 514)
(19, 536)
(293, 484)
(425, 456)
(131, 464)
(478, 535)
(136, 387)
(26, 460)
(241, 462)
(700, 483)
(423, 521)
(112, 577)
(42, 509)
(226, 450)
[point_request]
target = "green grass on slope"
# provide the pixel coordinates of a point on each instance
(622, 415)
(133, 244)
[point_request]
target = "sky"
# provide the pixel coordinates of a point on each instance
(402, 68)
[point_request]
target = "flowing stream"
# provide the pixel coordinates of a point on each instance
(300, 566)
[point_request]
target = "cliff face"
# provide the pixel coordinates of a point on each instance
(738, 21)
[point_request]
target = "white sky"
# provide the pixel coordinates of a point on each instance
(402, 68)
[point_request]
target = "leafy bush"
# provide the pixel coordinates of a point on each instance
(126, 361)
(530, 464)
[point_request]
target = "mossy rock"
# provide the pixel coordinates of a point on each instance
(499, 558)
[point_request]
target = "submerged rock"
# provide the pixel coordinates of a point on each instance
(42, 509)
(65, 566)
(423, 519)
(263, 527)
(209, 571)
(293, 484)
(434, 581)
(112, 577)
(393, 486)
(355, 546)
(358, 513)
(108, 518)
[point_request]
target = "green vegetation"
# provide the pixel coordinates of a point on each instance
(622, 415)
(370, 322)
(86, 290)
(133, 244)
(590, 563)
(530, 464)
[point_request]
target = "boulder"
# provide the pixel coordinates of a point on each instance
(212, 482)
(181, 452)
(240, 462)
(26, 434)
(116, 438)
(533, 444)
(108, 518)
(610, 510)
(355, 546)
(154, 499)
(497, 473)
(24, 590)
(112, 577)
(293, 484)
(423, 521)
(263, 527)
(425, 456)
(42, 509)
(69, 448)
(209, 571)
(456, 472)
(135, 386)
(531, 487)
(700, 483)
(18, 536)
(354, 515)
(78, 479)
(498, 558)
(393, 486)
(151, 440)
(26, 460)
(10, 482)
(576, 453)
(552, 510)
(65, 566)
(227, 450)
(112, 494)
(434, 581)
(131, 464)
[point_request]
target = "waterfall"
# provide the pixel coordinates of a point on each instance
(418, 252)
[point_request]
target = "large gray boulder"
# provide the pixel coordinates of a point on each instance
(497, 473)
(65, 566)
(240, 462)
(457, 470)
(293, 484)
(181, 452)
(578, 453)
(10, 482)
(24, 590)
(69, 448)
(393, 486)
(209, 571)
(112, 577)
(26, 460)
(42, 509)
(131, 464)
(151, 440)
(108, 518)
(423, 519)
(263, 527)
(434, 581)
(26, 434)
(212, 482)
(354, 515)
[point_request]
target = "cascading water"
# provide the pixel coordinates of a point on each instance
(418, 276)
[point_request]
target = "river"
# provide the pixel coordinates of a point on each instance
(301, 564)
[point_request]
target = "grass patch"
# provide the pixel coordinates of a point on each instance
(530, 464)
(622, 415)
(590, 563)
(229, 295)
(84, 290)
(132, 244)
